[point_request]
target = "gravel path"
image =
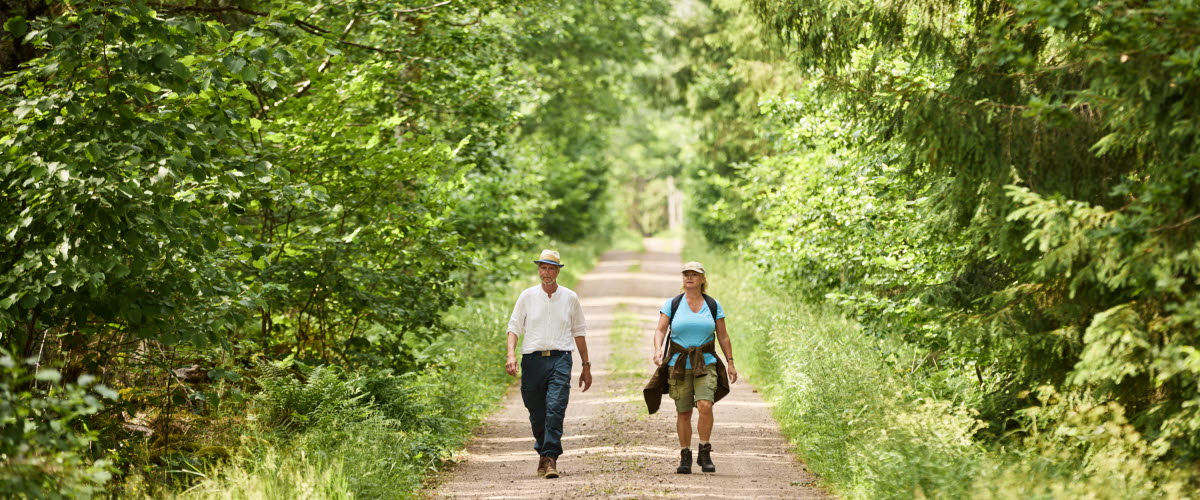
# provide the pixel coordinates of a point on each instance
(612, 447)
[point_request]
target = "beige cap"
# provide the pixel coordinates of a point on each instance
(550, 257)
(693, 266)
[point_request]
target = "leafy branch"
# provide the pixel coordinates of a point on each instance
(303, 25)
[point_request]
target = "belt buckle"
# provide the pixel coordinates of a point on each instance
(545, 354)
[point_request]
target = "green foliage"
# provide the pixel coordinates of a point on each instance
(579, 55)
(1006, 186)
(713, 67)
(191, 151)
(43, 441)
(123, 178)
(217, 184)
(873, 422)
(378, 433)
(1076, 233)
(649, 150)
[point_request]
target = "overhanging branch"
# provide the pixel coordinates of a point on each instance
(303, 25)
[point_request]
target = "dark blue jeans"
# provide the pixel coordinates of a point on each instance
(545, 389)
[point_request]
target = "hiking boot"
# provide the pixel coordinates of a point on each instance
(551, 471)
(541, 471)
(685, 461)
(705, 458)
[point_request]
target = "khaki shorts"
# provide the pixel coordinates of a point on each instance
(689, 390)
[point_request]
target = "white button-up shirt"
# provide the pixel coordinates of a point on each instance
(547, 323)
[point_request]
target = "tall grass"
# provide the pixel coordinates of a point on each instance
(626, 361)
(271, 476)
(869, 422)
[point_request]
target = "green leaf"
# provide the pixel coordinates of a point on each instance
(218, 374)
(133, 313)
(198, 340)
(260, 54)
(199, 153)
(284, 56)
(107, 392)
(17, 26)
(48, 375)
(248, 73)
(234, 63)
(22, 110)
(244, 93)
(162, 61)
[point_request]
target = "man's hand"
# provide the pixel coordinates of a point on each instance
(732, 373)
(657, 358)
(511, 366)
(585, 378)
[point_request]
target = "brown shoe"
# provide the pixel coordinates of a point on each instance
(551, 471)
(542, 466)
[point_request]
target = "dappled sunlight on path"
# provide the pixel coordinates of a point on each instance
(613, 449)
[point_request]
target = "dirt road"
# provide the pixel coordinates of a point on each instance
(612, 448)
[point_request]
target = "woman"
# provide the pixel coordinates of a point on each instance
(697, 378)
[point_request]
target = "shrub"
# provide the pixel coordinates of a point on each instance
(43, 446)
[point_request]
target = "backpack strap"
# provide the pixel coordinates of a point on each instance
(712, 308)
(667, 341)
(674, 307)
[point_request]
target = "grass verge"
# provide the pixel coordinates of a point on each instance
(628, 366)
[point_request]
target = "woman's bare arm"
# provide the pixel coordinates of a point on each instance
(660, 333)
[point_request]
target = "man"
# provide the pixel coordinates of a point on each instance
(551, 320)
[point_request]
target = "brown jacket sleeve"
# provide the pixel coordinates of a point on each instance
(660, 381)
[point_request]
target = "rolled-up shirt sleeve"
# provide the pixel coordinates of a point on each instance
(578, 323)
(516, 322)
